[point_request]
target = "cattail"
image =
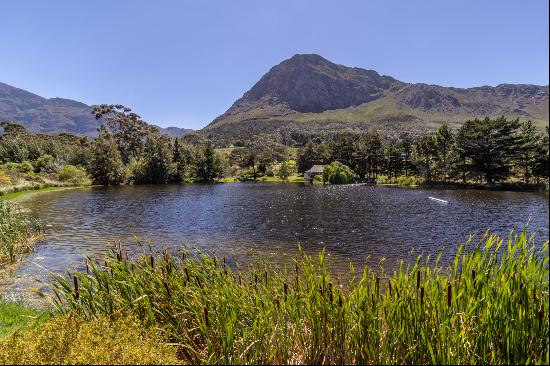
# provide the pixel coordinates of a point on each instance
(170, 267)
(186, 273)
(377, 286)
(87, 268)
(277, 302)
(389, 285)
(541, 314)
(422, 296)
(330, 292)
(165, 283)
(76, 290)
(285, 289)
(265, 273)
(474, 277)
(199, 282)
(417, 279)
(206, 316)
(449, 294)
(152, 260)
(321, 290)
(340, 301)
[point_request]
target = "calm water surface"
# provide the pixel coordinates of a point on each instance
(245, 220)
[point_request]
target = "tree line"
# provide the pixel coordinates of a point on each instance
(128, 150)
(482, 150)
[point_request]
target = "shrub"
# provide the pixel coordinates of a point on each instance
(71, 340)
(5, 180)
(338, 173)
(26, 167)
(72, 174)
(137, 171)
(45, 163)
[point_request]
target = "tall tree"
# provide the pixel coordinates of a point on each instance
(491, 145)
(106, 167)
(443, 143)
(425, 151)
(528, 141)
(125, 128)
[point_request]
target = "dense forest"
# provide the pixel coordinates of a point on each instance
(130, 151)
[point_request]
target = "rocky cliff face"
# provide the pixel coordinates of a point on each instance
(311, 88)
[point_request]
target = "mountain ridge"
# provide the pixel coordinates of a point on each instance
(309, 88)
(53, 115)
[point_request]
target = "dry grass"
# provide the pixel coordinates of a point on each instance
(69, 339)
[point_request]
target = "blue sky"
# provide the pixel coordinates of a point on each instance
(182, 63)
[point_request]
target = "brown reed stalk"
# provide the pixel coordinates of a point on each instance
(76, 290)
(449, 294)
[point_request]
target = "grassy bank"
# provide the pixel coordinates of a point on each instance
(489, 306)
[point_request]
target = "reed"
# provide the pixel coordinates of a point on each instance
(423, 313)
(18, 230)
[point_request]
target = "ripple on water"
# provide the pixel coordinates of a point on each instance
(243, 221)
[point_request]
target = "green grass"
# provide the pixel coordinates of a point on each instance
(18, 194)
(15, 316)
(291, 179)
(490, 305)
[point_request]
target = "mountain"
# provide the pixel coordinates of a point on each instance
(54, 115)
(307, 95)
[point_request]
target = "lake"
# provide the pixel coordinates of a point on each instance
(242, 221)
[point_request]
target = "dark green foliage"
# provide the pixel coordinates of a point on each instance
(210, 165)
(106, 166)
(492, 146)
(158, 157)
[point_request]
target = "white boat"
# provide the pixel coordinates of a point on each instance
(437, 199)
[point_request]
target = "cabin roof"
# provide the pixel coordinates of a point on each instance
(316, 169)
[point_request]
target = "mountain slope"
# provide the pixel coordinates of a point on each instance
(54, 115)
(309, 88)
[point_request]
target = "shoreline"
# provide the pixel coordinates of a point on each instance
(16, 195)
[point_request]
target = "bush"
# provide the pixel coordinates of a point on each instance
(5, 180)
(338, 173)
(26, 167)
(71, 340)
(45, 163)
(72, 174)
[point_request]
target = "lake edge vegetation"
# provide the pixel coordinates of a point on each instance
(18, 230)
(490, 305)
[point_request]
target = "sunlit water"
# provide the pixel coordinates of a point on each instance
(242, 221)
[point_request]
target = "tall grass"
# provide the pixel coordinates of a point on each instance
(17, 231)
(489, 306)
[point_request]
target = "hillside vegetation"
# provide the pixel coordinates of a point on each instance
(307, 95)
